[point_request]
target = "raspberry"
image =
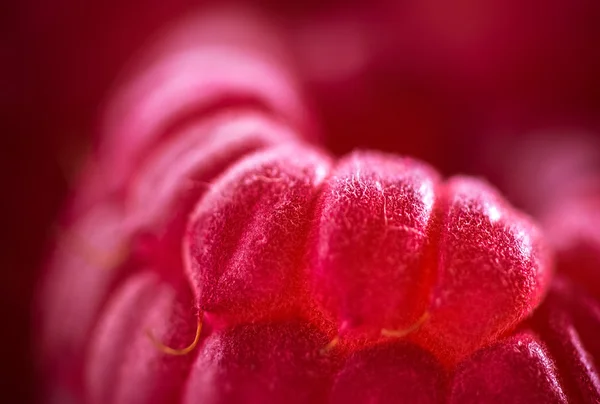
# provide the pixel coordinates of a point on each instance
(553, 358)
(262, 363)
(177, 176)
(569, 321)
(371, 249)
(395, 247)
(246, 243)
(111, 223)
(230, 261)
(515, 370)
(122, 364)
(493, 270)
(394, 371)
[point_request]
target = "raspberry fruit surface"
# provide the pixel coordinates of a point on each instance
(214, 253)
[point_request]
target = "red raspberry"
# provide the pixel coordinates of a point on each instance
(393, 371)
(262, 363)
(247, 239)
(569, 321)
(247, 242)
(241, 254)
(122, 365)
(515, 370)
(395, 247)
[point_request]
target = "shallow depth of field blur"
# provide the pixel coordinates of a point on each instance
(456, 83)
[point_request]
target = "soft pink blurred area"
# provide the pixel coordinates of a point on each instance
(430, 78)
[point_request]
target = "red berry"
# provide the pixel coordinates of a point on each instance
(219, 208)
(569, 321)
(395, 250)
(493, 270)
(247, 239)
(123, 364)
(167, 187)
(515, 370)
(372, 254)
(262, 363)
(390, 372)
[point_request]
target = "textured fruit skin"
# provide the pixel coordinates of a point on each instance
(248, 236)
(246, 257)
(370, 247)
(233, 219)
(394, 242)
(168, 186)
(129, 212)
(516, 370)
(493, 270)
(123, 366)
(393, 371)
(552, 358)
(246, 243)
(569, 320)
(262, 363)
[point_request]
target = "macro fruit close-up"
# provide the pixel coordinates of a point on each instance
(284, 204)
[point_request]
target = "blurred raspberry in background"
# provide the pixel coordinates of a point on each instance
(443, 81)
